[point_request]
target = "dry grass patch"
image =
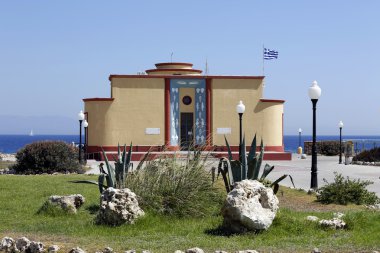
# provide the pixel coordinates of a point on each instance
(6, 164)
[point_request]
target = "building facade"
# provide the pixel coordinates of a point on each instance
(174, 106)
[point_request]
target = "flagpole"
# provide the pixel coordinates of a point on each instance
(263, 70)
(263, 58)
(206, 71)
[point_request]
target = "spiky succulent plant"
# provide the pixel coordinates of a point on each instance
(115, 177)
(247, 167)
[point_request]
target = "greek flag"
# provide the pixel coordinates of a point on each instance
(270, 54)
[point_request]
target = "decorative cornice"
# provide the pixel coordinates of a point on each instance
(272, 100)
(173, 63)
(97, 99)
(173, 70)
(184, 77)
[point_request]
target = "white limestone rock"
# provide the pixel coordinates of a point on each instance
(249, 206)
(77, 250)
(36, 247)
(312, 218)
(375, 207)
(118, 206)
(22, 244)
(107, 250)
(68, 203)
(53, 249)
(338, 215)
(334, 223)
(7, 244)
(194, 250)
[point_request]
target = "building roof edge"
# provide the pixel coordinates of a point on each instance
(185, 76)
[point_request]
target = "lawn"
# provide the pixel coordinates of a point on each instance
(22, 196)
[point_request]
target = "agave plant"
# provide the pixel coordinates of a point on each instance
(247, 167)
(117, 175)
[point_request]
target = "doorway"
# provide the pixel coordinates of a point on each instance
(187, 136)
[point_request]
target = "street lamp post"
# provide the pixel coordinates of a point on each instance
(340, 141)
(299, 137)
(85, 125)
(314, 94)
(299, 150)
(240, 108)
(80, 118)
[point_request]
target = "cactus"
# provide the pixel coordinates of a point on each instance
(248, 167)
(122, 164)
(115, 176)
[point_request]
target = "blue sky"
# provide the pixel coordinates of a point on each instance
(54, 53)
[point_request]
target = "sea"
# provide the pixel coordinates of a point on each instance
(10, 144)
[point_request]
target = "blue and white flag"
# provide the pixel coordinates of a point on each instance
(270, 54)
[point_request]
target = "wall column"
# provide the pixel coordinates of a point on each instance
(208, 112)
(167, 111)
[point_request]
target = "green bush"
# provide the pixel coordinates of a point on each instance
(344, 191)
(179, 187)
(372, 155)
(327, 148)
(47, 157)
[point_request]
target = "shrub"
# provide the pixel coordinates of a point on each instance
(343, 191)
(372, 155)
(47, 157)
(172, 186)
(327, 148)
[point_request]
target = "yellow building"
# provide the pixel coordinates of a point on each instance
(173, 105)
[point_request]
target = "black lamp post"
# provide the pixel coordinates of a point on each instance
(299, 137)
(85, 125)
(340, 141)
(81, 118)
(240, 108)
(314, 94)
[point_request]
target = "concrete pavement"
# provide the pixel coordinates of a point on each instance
(300, 170)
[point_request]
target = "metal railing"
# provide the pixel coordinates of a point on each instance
(364, 144)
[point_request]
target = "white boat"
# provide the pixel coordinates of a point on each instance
(31, 133)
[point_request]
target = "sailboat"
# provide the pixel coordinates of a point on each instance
(31, 133)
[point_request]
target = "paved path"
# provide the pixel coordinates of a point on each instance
(300, 170)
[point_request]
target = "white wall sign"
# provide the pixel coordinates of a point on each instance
(224, 130)
(152, 130)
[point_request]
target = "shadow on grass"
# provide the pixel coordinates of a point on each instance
(223, 231)
(93, 209)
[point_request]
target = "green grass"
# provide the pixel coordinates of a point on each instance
(22, 196)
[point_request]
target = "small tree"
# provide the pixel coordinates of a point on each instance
(47, 157)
